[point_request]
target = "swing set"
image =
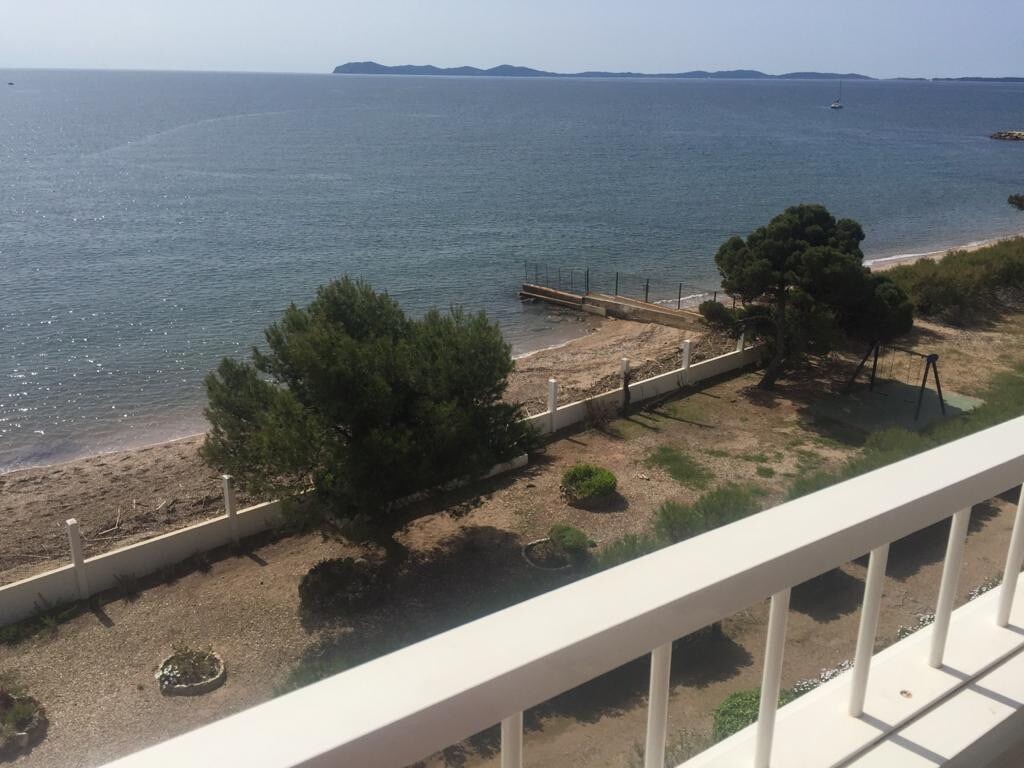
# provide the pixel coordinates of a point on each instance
(928, 363)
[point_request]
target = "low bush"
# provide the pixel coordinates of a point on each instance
(17, 709)
(740, 710)
(573, 542)
(588, 484)
(811, 482)
(675, 522)
(964, 286)
(622, 550)
(339, 584)
(1017, 201)
(717, 314)
(728, 503)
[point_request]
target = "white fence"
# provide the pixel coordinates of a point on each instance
(559, 417)
(86, 577)
(442, 690)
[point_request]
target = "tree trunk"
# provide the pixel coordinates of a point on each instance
(774, 369)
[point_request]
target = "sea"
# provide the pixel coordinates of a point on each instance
(154, 222)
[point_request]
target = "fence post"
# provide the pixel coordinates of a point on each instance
(647, 290)
(679, 301)
(770, 681)
(624, 369)
(684, 349)
(77, 558)
(512, 741)
(657, 707)
(715, 298)
(1014, 559)
(947, 587)
(571, 290)
(616, 283)
(526, 271)
(586, 280)
(741, 342)
(552, 403)
(229, 507)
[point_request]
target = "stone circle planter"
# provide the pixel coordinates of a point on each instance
(193, 689)
(22, 741)
(529, 547)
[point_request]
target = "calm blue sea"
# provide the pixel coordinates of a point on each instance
(152, 222)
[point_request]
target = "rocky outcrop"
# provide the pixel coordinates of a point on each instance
(1009, 135)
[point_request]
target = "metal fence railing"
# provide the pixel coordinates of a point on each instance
(678, 294)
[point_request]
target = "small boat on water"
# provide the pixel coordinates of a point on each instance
(838, 103)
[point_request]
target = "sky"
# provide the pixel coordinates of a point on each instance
(882, 38)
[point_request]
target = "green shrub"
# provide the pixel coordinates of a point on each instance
(683, 469)
(717, 314)
(677, 522)
(765, 471)
(728, 503)
(740, 710)
(16, 712)
(339, 584)
(586, 484)
(629, 547)
(570, 540)
(963, 287)
(811, 482)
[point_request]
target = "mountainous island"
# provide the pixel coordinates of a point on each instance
(509, 70)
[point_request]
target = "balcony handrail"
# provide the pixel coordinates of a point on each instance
(404, 706)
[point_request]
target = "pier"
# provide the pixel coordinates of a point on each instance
(620, 307)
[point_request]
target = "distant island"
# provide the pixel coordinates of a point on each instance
(509, 70)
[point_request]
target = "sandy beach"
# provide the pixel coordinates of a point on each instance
(123, 497)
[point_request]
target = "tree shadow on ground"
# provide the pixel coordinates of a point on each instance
(664, 412)
(829, 596)
(698, 660)
(910, 554)
(474, 573)
(469, 574)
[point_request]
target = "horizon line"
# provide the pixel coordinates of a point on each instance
(616, 74)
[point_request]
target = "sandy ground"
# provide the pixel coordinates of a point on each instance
(95, 674)
(121, 498)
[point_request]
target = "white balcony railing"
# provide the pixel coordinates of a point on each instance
(409, 704)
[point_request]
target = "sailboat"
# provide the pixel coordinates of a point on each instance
(838, 103)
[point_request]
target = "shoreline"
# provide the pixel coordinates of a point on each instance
(587, 331)
(882, 263)
(124, 496)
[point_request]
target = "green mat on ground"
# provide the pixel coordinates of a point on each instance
(890, 404)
